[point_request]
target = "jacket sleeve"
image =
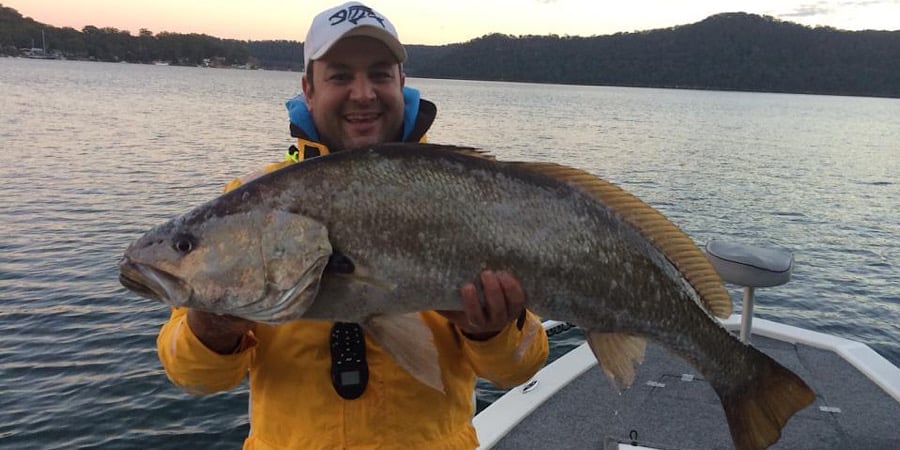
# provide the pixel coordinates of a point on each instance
(511, 357)
(194, 367)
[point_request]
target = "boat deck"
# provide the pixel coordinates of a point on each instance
(671, 407)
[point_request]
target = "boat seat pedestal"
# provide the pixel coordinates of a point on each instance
(750, 267)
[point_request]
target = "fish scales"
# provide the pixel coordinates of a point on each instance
(446, 218)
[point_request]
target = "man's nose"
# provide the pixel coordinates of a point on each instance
(362, 89)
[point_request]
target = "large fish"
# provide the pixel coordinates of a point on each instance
(374, 235)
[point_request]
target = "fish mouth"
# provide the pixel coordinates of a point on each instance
(150, 282)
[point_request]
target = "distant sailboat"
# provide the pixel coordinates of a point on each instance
(39, 53)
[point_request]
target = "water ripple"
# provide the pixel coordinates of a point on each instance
(79, 367)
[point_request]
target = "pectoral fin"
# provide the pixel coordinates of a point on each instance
(347, 274)
(410, 342)
(618, 354)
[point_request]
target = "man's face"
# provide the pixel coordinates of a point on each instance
(356, 95)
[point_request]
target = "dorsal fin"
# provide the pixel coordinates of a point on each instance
(470, 151)
(677, 246)
(473, 152)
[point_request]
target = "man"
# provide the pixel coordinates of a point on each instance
(324, 385)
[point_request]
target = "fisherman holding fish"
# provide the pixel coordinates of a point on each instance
(345, 285)
(318, 384)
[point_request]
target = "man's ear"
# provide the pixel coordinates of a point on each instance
(305, 83)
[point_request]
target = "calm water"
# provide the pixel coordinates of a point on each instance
(94, 154)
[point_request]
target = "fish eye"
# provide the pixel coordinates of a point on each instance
(339, 263)
(184, 243)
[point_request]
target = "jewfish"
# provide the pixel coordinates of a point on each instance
(374, 235)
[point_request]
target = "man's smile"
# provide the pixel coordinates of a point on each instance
(362, 117)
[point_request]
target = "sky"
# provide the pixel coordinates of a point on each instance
(434, 22)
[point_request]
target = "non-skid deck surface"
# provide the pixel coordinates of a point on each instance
(663, 410)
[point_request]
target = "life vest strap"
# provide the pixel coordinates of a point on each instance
(305, 149)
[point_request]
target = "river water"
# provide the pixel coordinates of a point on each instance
(93, 154)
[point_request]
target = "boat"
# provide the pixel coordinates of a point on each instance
(38, 52)
(570, 404)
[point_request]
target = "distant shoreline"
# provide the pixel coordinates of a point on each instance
(481, 80)
(724, 52)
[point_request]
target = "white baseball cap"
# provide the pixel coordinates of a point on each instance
(349, 19)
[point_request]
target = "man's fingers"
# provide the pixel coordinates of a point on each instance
(472, 305)
(490, 309)
(495, 301)
(512, 289)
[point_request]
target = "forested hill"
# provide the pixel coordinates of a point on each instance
(731, 51)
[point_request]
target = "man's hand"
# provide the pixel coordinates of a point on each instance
(221, 334)
(504, 301)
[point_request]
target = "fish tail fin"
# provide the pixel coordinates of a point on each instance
(759, 410)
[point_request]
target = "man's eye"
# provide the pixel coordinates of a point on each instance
(380, 75)
(340, 77)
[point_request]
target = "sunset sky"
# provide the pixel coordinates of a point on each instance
(442, 22)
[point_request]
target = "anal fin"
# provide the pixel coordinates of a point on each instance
(618, 354)
(410, 342)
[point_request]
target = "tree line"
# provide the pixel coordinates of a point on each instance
(22, 36)
(731, 51)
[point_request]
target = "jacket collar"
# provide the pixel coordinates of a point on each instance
(418, 115)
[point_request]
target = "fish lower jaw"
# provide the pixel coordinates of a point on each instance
(138, 288)
(154, 284)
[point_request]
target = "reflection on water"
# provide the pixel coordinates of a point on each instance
(94, 154)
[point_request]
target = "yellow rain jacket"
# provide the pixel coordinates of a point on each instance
(293, 404)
